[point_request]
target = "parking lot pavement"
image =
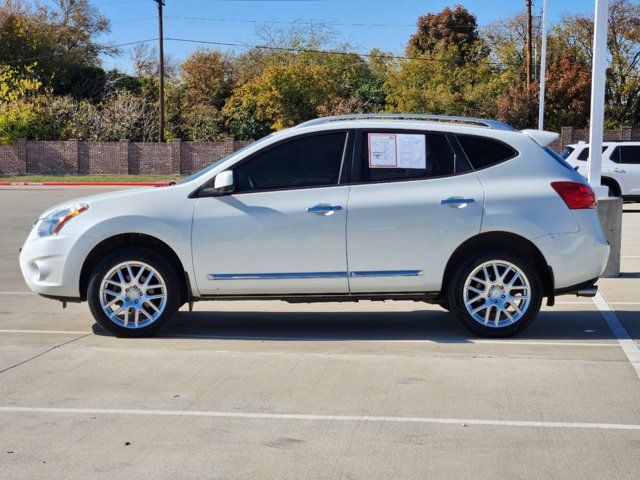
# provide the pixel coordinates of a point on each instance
(272, 390)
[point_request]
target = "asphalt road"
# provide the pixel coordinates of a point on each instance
(355, 391)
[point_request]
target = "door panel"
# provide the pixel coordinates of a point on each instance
(268, 243)
(403, 234)
(405, 221)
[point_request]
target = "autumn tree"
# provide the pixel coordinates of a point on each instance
(449, 70)
(455, 27)
(575, 33)
(301, 75)
(60, 38)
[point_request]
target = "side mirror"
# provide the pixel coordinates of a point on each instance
(223, 183)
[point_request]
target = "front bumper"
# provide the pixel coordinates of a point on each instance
(51, 266)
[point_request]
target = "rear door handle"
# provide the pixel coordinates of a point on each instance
(618, 170)
(324, 209)
(457, 202)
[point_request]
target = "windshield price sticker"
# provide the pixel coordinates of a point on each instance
(390, 150)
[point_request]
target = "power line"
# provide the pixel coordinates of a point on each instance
(293, 22)
(263, 47)
(324, 52)
(61, 54)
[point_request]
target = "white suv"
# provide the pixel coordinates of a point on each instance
(465, 213)
(620, 166)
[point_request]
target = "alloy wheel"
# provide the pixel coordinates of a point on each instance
(497, 294)
(133, 294)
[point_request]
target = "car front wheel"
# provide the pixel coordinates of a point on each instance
(495, 294)
(133, 292)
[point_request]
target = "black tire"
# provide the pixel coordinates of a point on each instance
(455, 293)
(150, 258)
(614, 188)
(444, 306)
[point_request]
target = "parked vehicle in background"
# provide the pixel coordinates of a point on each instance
(620, 166)
(466, 213)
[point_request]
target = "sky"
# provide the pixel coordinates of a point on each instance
(388, 23)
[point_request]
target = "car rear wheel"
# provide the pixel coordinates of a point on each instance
(495, 294)
(133, 292)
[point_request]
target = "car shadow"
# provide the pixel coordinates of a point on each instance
(431, 325)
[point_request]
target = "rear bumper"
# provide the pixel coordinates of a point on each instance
(577, 259)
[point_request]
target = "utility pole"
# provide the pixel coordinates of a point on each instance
(543, 65)
(160, 72)
(529, 46)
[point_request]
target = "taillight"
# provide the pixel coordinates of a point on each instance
(575, 195)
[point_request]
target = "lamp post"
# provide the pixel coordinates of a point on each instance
(160, 73)
(609, 209)
(598, 79)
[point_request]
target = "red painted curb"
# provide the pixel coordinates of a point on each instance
(84, 184)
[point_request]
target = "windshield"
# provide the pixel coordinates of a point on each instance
(218, 162)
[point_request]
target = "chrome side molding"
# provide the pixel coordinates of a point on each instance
(275, 276)
(388, 273)
(303, 275)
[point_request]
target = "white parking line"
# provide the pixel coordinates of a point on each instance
(326, 418)
(629, 346)
(273, 338)
(60, 332)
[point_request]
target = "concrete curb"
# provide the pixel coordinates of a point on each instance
(84, 184)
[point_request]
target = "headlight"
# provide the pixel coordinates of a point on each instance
(53, 223)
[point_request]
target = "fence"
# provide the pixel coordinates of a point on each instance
(172, 158)
(119, 158)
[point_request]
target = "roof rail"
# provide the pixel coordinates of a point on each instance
(482, 122)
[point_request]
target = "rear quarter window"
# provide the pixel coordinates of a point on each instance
(484, 152)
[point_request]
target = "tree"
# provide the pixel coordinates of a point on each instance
(300, 76)
(281, 97)
(575, 34)
(60, 38)
(449, 71)
(208, 77)
(439, 86)
(17, 84)
(452, 27)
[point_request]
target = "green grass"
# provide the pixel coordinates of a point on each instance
(90, 178)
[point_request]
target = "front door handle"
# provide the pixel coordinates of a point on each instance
(324, 209)
(457, 202)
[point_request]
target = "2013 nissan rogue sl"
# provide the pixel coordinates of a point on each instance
(466, 213)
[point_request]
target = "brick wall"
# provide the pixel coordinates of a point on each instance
(173, 158)
(571, 135)
(119, 158)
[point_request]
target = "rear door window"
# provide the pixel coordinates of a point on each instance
(484, 152)
(630, 154)
(385, 156)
